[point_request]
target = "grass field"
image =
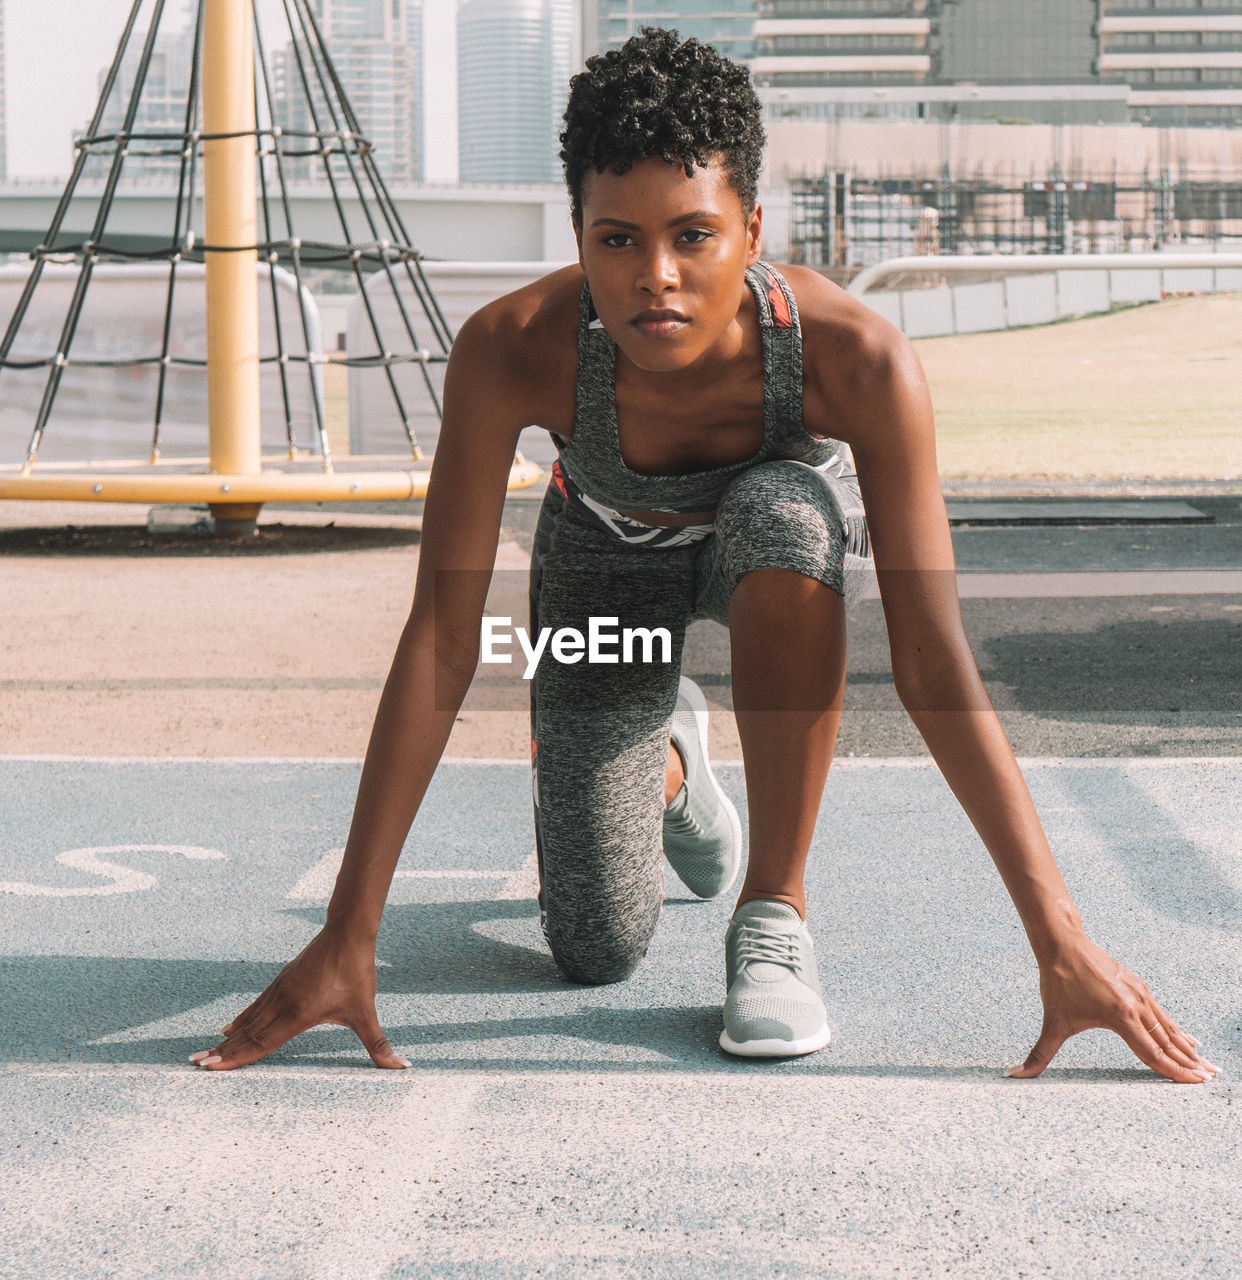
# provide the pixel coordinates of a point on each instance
(1152, 391)
(1148, 392)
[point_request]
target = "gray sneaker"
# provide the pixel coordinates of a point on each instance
(774, 1008)
(702, 832)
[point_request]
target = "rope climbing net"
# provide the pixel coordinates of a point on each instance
(319, 137)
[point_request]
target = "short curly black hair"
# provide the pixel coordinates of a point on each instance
(661, 96)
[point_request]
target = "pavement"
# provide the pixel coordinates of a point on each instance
(181, 726)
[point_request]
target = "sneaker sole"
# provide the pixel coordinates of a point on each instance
(698, 704)
(774, 1048)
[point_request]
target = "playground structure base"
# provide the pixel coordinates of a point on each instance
(219, 489)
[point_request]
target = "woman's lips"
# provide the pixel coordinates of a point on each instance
(659, 324)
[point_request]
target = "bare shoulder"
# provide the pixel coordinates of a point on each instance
(546, 309)
(507, 370)
(524, 344)
(852, 356)
(838, 324)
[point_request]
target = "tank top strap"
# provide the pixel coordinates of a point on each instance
(782, 350)
(595, 399)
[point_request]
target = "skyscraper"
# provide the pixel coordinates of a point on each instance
(376, 47)
(801, 45)
(514, 60)
(161, 109)
(1061, 61)
(1182, 59)
(729, 25)
(1016, 41)
(4, 150)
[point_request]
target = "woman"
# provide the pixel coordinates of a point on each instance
(706, 408)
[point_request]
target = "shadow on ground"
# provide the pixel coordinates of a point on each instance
(136, 540)
(1126, 672)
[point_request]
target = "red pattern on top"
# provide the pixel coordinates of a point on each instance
(780, 307)
(558, 478)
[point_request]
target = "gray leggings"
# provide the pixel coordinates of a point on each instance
(600, 733)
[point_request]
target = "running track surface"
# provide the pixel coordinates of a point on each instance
(551, 1130)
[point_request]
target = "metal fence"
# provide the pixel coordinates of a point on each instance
(840, 220)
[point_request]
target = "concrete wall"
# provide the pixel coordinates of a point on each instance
(1018, 301)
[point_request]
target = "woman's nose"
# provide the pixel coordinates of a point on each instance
(658, 272)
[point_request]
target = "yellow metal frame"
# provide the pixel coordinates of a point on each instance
(230, 219)
(242, 489)
(232, 479)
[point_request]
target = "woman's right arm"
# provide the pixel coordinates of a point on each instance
(333, 980)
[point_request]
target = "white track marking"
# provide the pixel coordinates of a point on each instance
(401, 874)
(522, 883)
(123, 879)
(316, 884)
(342, 520)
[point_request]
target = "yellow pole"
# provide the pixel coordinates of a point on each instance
(230, 220)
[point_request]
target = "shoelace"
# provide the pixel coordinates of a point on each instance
(684, 824)
(771, 948)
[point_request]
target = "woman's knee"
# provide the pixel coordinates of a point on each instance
(779, 503)
(597, 946)
(781, 515)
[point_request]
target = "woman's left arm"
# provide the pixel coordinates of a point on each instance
(890, 429)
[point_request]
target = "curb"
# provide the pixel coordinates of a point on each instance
(1126, 487)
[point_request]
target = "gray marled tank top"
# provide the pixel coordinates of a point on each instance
(590, 471)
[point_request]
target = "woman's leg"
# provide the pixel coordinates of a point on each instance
(786, 556)
(777, 577)
(600, 740)
(674, 774)
(787, 641)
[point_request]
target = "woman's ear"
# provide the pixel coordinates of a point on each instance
(754, 236)
(577, 226)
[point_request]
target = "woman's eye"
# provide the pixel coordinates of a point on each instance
(618, 240)
(696, 235)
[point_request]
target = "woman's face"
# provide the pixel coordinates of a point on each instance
(666, 257)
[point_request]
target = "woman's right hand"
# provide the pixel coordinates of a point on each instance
(331, 981)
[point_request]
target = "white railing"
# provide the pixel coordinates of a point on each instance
(1035, 288)
(1022, 263)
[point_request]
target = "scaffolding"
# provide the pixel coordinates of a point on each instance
(839, 220)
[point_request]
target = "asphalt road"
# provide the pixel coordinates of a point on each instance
(1152, 668)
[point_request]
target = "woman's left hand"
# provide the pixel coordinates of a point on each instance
(1084, 987)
